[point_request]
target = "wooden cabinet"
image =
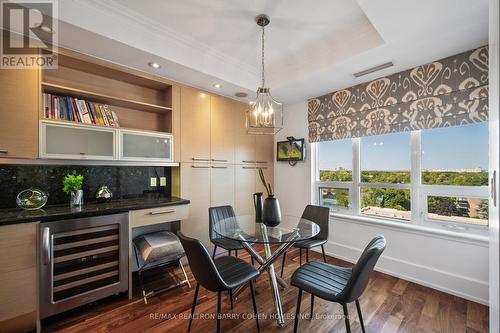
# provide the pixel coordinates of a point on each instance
(195, 125)
(244, 144)
(19, 113)
(244, 189)
(222, 114)
(264, 149)
(18, 292)
(222, 185)
(195, 178)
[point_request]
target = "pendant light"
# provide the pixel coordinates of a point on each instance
(265, 115)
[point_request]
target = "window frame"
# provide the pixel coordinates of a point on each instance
(419, 192)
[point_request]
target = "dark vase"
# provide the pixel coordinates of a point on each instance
(258, 203)
(271, 213)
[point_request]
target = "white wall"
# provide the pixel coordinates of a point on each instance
(453, 265)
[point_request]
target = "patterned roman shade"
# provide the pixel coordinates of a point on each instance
(449, 92)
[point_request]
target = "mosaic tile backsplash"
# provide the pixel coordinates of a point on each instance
(123, 181)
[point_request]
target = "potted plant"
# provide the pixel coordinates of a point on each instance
(72, 184)
(271, 212)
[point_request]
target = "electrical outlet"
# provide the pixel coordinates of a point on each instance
(163, 181)
(152, 182)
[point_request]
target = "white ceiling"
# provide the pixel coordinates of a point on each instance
(310, 50)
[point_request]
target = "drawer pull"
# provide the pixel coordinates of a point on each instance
(219, 167)
(201, 159)
(4, 151)
(261, 162)
(248, 167)
(199, 167)
(162, 212)
(248, 161)
(215, 160)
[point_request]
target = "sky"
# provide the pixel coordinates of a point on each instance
(460, 147)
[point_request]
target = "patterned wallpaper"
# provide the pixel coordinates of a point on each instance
(449, 92)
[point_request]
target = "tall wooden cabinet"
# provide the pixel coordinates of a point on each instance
(220, 161)
(19, 113)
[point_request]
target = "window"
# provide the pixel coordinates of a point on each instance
(437, 177)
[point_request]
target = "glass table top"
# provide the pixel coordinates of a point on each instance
(244, 228)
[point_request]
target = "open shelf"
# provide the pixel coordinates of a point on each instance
(69, 122)
(103, 98)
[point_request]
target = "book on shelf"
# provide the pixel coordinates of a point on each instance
(77, 110)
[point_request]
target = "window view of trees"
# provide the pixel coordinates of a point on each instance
(334, 197)
(386, 202)
(458, 209)
(462, 178)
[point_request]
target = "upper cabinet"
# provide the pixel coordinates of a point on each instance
(221, 129)
(19, 91)
(145, 146)
(195, 125)
(244, 143)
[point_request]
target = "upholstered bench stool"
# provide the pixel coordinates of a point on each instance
(157, 249)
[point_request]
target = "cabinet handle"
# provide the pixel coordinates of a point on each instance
(199, 167)
(82, 153)
(263, 167)
(248, 161)
(219, 167)
(248, 167)
(162, 212)
(46, 245)
(261, 162)
(3, 151)
(200, 159)
(214, 160)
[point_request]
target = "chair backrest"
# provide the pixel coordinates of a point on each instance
(216, 214)
(319, 215)
(201, 264)
(363, 269)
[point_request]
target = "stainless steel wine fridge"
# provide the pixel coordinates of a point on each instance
(82, 260)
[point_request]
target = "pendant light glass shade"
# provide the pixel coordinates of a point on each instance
(265, 115)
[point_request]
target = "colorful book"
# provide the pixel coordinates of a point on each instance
(84, 113)
(69, 109)
(104, 116)
(63, 108)
(109, 115)
(115, 118)
(77, 115)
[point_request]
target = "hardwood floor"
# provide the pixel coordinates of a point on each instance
(389, 305)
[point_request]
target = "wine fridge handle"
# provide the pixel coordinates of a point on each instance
(46, 245)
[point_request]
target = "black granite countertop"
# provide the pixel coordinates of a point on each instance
(61, 212)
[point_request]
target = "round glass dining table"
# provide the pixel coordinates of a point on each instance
(245, 230)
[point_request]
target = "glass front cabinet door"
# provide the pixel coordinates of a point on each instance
(146, 146)
(75, 141)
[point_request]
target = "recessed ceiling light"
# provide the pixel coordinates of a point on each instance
(216, 85)
(47, 29)
(241, 94)
(155, 65)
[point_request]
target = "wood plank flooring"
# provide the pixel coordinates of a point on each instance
(389, 305)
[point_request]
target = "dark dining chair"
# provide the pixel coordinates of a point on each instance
(338, 284)
(321, 216)
(217, 214)
(222, 274)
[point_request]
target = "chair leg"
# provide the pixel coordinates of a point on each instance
(231, 297)
(229, 253)
(346, 316)
(360, 316)
(283, 264)
(194, 305)
(253, 263)
(213, 255)
(185, 275)
(141, 283)
(312, 306)
(297, 311)
(219, 314)
(254, 305)
(300, 255)
(307, 255)
(324, 255)
(236, 253)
